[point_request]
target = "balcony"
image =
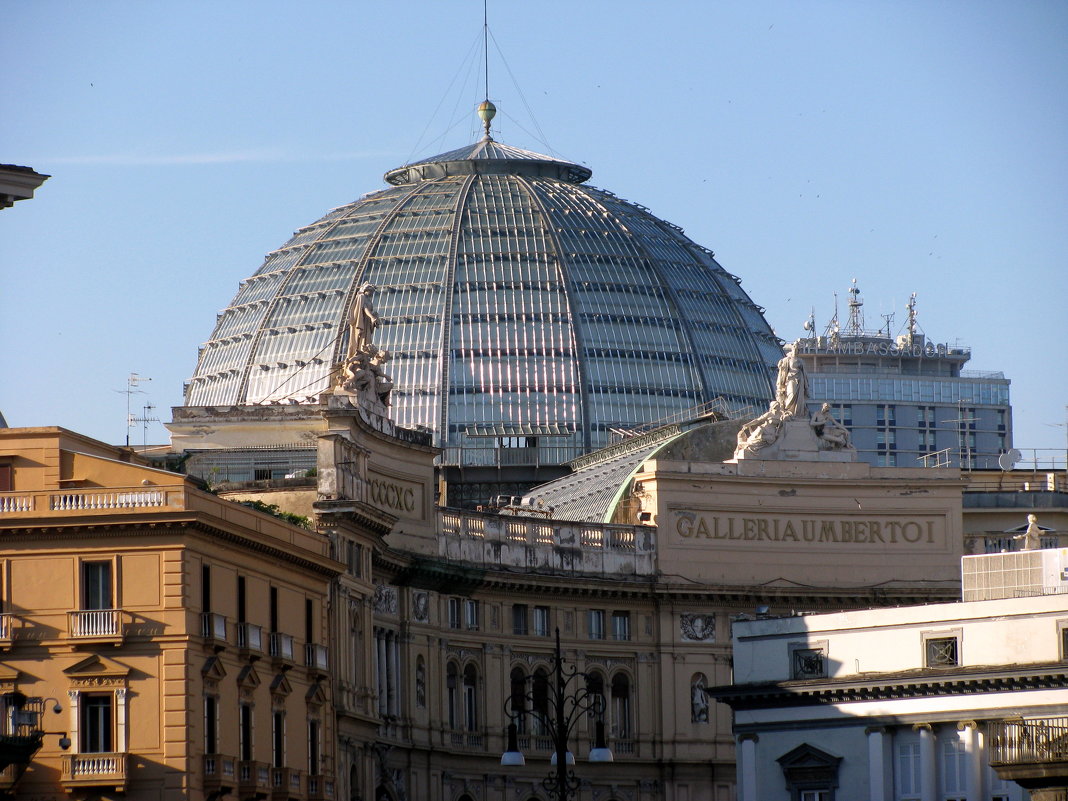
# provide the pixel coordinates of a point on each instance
(10, 776)
(316, 658)
(1032, 753)
(220, 771)
(320, 788)
(285, 784)
(96, 625)
(213, 629)
(280, 647)
(94, 770)
(250, 640)
(81, 502)
(253, 779)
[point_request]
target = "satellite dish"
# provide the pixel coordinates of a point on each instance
(1008, 460)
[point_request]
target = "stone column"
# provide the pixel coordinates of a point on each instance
(747, 769)
(928, 763)
(392, 674)
(120, 720)
(969, 737)
(878, 745)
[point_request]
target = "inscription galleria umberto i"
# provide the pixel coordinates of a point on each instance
(696, 525)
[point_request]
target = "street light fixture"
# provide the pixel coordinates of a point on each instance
(558, 706)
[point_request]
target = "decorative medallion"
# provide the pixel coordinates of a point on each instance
(697, 628)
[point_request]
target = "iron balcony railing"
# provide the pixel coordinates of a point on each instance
(1031, 741)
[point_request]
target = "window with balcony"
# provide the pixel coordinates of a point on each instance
(541, 621)
(470, 698)
(452, 694)
(621, 720)
(621, 626)
(595, 624)
(519, 619)
(211, 724)
(96, 723)
(96, 585)
(278, 738)
(245, 733)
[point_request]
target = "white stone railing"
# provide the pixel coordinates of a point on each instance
(90, 501)
(95, 623)
(94, 767)
(490, 539)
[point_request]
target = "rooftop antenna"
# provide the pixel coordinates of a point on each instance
(810, 323)
(831, 331)
(856, 311)
(486, 110)
(144, 420)
(888, 322)
(911, 325)
(131, 383)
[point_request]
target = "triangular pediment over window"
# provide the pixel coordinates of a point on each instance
(315, 695)
(97, 666)
(280, 685)
(248, 678)
(808, 766)
(213, 669)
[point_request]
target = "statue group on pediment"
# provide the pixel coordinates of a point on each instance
(362, 372)
(791, 404)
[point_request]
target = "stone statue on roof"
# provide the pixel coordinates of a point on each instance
(362, 322)
(1032, 537)
(791, 387)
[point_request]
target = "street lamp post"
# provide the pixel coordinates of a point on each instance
(563, 706)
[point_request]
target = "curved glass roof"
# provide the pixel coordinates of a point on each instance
(512, 296)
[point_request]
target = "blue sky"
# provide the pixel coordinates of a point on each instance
(915, 146)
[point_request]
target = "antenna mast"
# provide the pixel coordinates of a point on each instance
(131, 382)
(856, 313)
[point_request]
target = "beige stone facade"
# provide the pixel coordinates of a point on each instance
(178, 641)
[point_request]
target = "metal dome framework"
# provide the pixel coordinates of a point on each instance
(516, 301)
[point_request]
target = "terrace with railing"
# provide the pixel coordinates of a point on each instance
(37, 503)
(490, 540)
(1032, 752)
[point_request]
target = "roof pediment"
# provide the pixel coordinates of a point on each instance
(97, 666)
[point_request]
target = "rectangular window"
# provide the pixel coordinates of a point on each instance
(621, 626)
(96, 723)
(309, 621)
(314, 747)
(940, 652)
(454, 613)
(355, 557)
(245, 732)
(211, 724)
(278, 738)
(1064, 640)
(7, 478)
(240, 600)
(96, 585)
(596, 624)
(519, 619)
(541, 621)
(471, 614)
(815, 795)
(205, 588)
(907, 771)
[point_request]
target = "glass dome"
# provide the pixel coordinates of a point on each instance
(517, 302)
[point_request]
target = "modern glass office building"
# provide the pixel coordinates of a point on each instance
(528, 314)
(907, 401)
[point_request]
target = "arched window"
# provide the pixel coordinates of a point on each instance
(540, 692)
(621, 723)
(470, 698)
(518, 700)
(452, 694)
